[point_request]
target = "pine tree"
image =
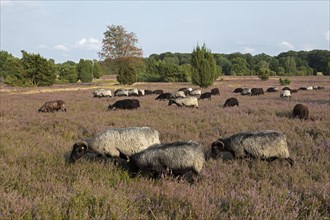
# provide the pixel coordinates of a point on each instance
(85, 70)
(204, 69)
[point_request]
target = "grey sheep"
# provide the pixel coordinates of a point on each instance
(177, 158)
(267, 145)
(185, 102)
(116, 142)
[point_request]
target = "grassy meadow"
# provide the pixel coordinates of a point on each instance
(37, 183)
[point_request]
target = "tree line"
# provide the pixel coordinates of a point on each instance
(120, 55)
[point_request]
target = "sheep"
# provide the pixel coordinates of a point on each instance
(125, 104)
(285, 93)
(116, 142)
(52, 106)
(178, 94)
(257, 91)
(265, 145)
(215, 91)
(272, 89)
(141, 92)
(231, 102)
(177, 158)
(205, 95)
(238, 90)
(185, 90)
(148, 92)
(185, 102)
(121, 92)
(133, 92)
(102, 93)
(302, 88)
(300, 111)
(286, 88)
(246, 91)
(195, 92)
(164, 96)
(309, 88)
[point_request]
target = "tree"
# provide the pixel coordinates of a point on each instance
(85, 70)
(38, 71)
(120, 46)
(239, 66)
(97, 69)
(204, 69)
(68, 72)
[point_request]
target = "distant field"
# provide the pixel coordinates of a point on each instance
(37, 183)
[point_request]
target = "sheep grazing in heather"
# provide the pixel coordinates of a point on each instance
(164, 96)
(176, 158)
(257, 91)
(125, 104)
(302, 88)
(265, 145)
(231, 102)
(272, 89)
(52, 106)
(178, 94)
(116, 142)
(300, 111)
(185, 90)
(286, 88)
(148, 92)
(205, 95)
(185, 102)
(246, 91)
(238, 90)
(133, 92)
(285, 94)
(121, 92)
(215, 91)
(102, 93)
(195, 92)
(141, 92)
(309, 88)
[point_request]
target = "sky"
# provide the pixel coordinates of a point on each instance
(74, 30)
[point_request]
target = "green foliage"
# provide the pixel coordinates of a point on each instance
(85, 70)
(204, 71)
(239, 67)
(127, 71)
(38, 71)
(285, 81)
(264, 73)
(68, 72)
(97, 69)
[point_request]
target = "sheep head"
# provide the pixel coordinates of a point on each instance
(216, 148)
(79, 149)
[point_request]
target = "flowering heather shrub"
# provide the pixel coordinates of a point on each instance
(37, 183)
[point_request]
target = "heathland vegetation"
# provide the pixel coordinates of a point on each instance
(36, 182)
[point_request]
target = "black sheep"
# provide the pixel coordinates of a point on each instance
(300, 111)
(206, 95)
(125, 104)
(231, 102)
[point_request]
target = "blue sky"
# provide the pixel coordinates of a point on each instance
(70, 30)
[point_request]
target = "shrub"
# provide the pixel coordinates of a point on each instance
(285, 82)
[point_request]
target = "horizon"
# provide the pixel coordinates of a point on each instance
(65, 32)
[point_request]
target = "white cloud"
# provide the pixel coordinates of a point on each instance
(88, 44)
(286, 45)
(248, 50)
(327, 36)
(60, 47)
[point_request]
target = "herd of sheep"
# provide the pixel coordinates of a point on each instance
(141, 148)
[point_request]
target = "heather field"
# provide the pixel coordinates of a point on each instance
(36, 182)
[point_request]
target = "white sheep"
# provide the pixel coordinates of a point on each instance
(102, 93)
(267, 145)
(309, 88)
(121, 92)
(285, 93)
(196, 92)
(178, 94)
(116, 142)
(185, 102)
(133, 92)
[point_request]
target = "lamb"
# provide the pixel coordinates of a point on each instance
(116, 142)
(177, 157)
(231, 102)
(285, 93)
(300, 111)
(265, 145)
(185, 102)
(52, 106)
